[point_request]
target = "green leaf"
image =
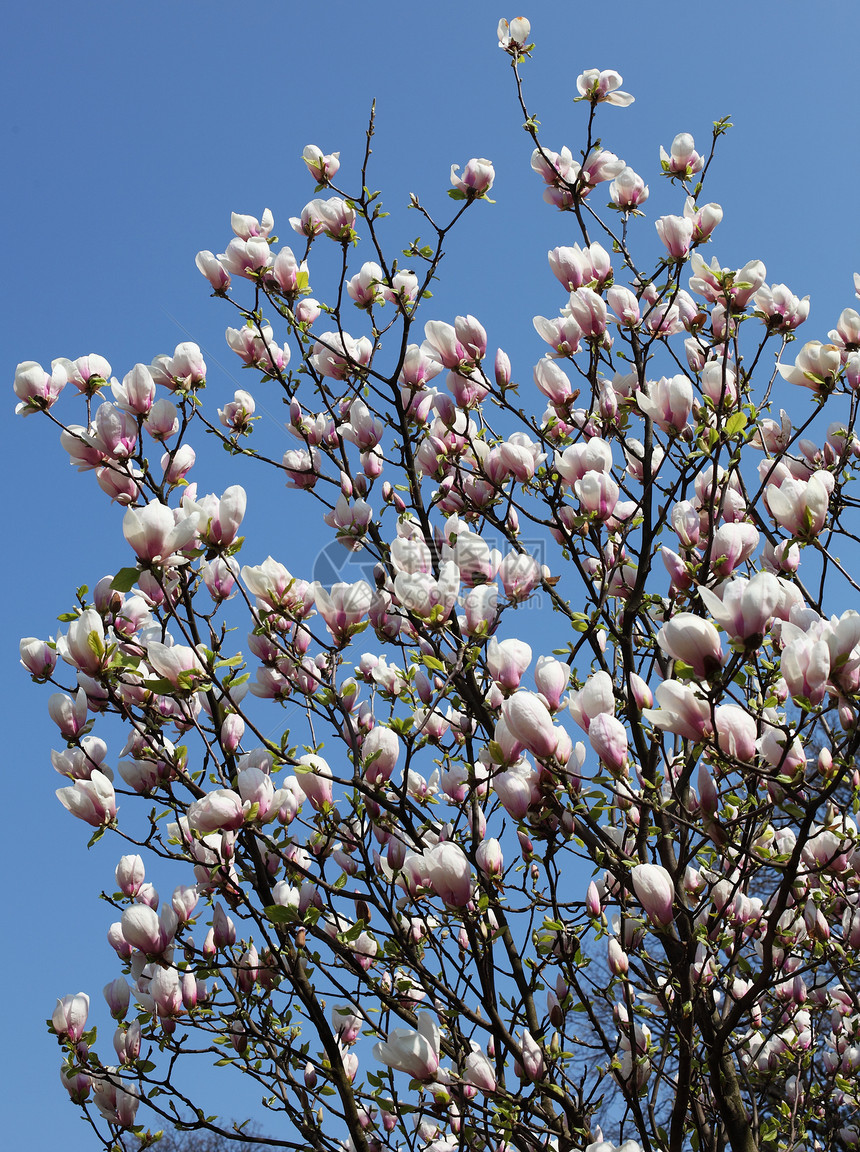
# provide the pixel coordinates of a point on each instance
(279, 914)
(736, 423)
(125, 580)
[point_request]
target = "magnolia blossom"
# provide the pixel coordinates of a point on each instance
(36, 389)
(815, 367)
(70, 1016)
(602, 87)
(92, 800)
(695, 641)
(220, 810)
(681, 710)
(513, 36)
(156, 533)
(682, 160)
(449, 873)
(628, 190)
(668, 402)
(410, 1051)
(530, 723)
(744, 608)
(342, 607)
(320, 166)
(117, 1100)
(655, 891)
(339, 355)
(800, 506)
(676, 233)
(424, 596)
(476, 181)
(178, 664)
(457, 346)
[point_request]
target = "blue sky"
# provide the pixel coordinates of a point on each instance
(130, 133)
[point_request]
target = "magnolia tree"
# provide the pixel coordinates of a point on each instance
(479, 895)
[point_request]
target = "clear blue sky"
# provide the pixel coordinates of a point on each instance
(130, 133)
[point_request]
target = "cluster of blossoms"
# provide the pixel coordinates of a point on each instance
(461, 921)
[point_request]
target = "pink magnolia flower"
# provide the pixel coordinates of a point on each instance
(800, 506)
(507, 660)
(218, 520)
(682, 160)
(84, 644)
(704, 219)
(530, 722)
(130, 874)
(247, 226)
(563, 334)
(343, 607)
(236, 414)
(177, 463)
(92, 800)
(244, 257)
(449, 873)
(551, 679)
(136, 393)
(655, 892)
(87, 373)
(380, 752)
(744, 608)
(365, 288)
(211, 267)
(520, 574)
(37, 390)
(338, 356)
(589, 311)
(731, 545)
(587, 456)
(608, 738)
(287, 276)
(321, 166)
(668, 402)
(117, 1100)
(39, 657)
(410, 1051)
(625, 305)
(424, 596)
(116, 432)
(165, 991)
(676, 234)
(533, 1065)
(598, 494)
(315, 780)
(602, 87)
(681, 711)
(815, 367)
(735, 732)
(216, 811)
(805, 666)
(457, 346)
(780, 309)
(145, 930)
(628, 190)
(117, 995)
(177, 663)
(156, 534)
(256, 348)
(695, 641)
(476, 181)
(489, 858)
(70, 1016)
